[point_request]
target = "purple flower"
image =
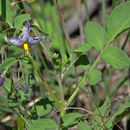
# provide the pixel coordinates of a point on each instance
(27, 38)
(2, 79)
(18, 87)
(25, 90)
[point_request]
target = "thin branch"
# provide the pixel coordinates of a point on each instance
(73, 108)
(96, 107)
(17, 2)
(62, 22)
(80, 21)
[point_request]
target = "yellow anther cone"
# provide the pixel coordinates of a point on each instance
(26, 48)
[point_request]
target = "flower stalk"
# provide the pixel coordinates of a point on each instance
(43, 81)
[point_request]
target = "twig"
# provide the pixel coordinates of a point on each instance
(96, 107)
(86, 7)
(80, 21)
(14, 3)
(62, 22)
(127, 37)
(76, 108)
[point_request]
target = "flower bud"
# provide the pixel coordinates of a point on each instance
(2, 79)
(25, 90)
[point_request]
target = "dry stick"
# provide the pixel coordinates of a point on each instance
(62, 22)
(104, 112)
(111, 122)
(12, 86)
(76, 108)
(97, 107)
(14, 3)
(80, 20)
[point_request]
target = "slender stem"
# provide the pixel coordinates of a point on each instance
(73, 95)
(104, 12)
(22, 117)
(80, 21)
(62, 22)
(62, 97)
(86, 7)
(69, 67)
(73, 108)
(27, 111)
(85, 76)
(61, 91)
(97, 108)
(44, 82)
(127, 37)
(96, 61)
(76, 91)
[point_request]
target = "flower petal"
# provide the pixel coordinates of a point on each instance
(31, 38)
(28, 25)
(24, 34)
(35, 41)
(14, 41)
(1, 81)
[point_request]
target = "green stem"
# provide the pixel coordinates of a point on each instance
(85, 76)
(86, 7)
(76, 91)
(69, 67)
(96, 61)
(23, 117)
(44, 82)
(61, 91)
(103, 12)
(123, 46)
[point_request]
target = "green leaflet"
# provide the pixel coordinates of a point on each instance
(8, 63)
(116, 58)
(96, 35)
(118, 21)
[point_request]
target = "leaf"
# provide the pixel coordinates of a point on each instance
(71, 119)
(94, 76)
(83, 60)
(44, 106)
(121, 110)
(4, 106)
(83, 48)
(20, 123)
(6, 12)
(43, 124)
(83, 126)
(115, 3)
(3, 101)
(46, 42)
(7, 85)
(14, 51)
(104, 111)
(96, 35)
(84, 67)
(118, 21)
(13, 103)
(116, 58)
(8, 63)
(20, 19)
